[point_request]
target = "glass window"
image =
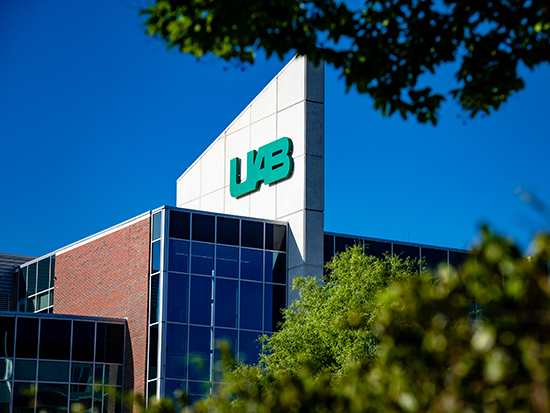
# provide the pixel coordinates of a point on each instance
(53, 397)
(43, 275)
(157, 225)
(43, 301)
(199, 353)
(110, 343)
(252, 234)
(52, 271)
(202, 258)
(31, 305)
(27, 338)
(203, 227)
(275, 237)
(5, 396)
(249, 347)
(7, 329)
(31, 284)
(227, 262)
(179, 224)
(328, 248)
(6, 369)
(227, 231)
(275, 299)
(178, 291)
(106, 400)
(55, 339)
(377, 248)
(201, 300)
(251, 264)
(178, 257)
(82, 373)
(25, 370)
(251, 306)
(153, 351)
(226, 303)
(457, 259)
(22, 283)
(275, 267)
(342, 243)
(53, 371)
(228, 340)
(108, 374)
(82, 394)
(155, 260)
(152, 388)
(83, 341)
(176, 345)
(198, 390)
(22, 392)
(154, 307)
(434, 257)
(405, 251)
(173, 389)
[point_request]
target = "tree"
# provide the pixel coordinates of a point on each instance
(331, 327)
(382, 49)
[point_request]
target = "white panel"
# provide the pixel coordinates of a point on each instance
(212, 168)
(291, 192)
(263, 131)
(291, 84)
(189, 184)
(213, 202)
(265, 104)
(263, 202)
(236, 206)
(237, 145)
(315, 81)
(195, 204)
(315, 129)
(241, 122)
(296, 250)
(290, 123)
(301, 271)
(315, 183)
(314, 230)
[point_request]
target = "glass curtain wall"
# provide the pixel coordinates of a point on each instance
(36, 286)
(219, 279)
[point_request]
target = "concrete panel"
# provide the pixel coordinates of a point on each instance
(213, 202)
(314, 230)
(236, 206)
(263, 131)
(291, 192)
(237, 145)
(194, 204)
(242, 121)
(301, 271)
(315, 82)
(291, 84)
(315, 129)
(213, 168)
(291, 123)
(296, 251)
(263, 202)
(189, 186)
(265, 104)
(315, 183)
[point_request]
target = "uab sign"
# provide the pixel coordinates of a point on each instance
(270, 163)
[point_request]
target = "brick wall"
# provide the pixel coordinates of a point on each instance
(108, 277)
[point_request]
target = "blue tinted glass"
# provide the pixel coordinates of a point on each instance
(197, 390)
(275, 267)
(82, 373)
(275, 298)
(22, 283)
(251, 264)
(199, 353)
(173, 389)
(53, 371)
(201, 300)
(226, 303)
(249, 347)
(155, 261)
(53, 397)
(52, 271)
(227, 262)
(224, 340)
(227, 231)
(202, 258)
(176, 343)
(252, 234)
(82, 394)
(275, 237)
(203, 228)
(156, 225)
(178, 257)
(178, 291)
(31, 283)
(153, 351)
(179, 224)
(43, 275)
(251, 306)
(154, 306)
(25, 370)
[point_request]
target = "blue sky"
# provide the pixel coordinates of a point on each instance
(97, 122)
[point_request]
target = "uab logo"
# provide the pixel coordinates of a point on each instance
(270, 163)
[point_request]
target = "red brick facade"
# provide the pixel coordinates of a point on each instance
(108, 277)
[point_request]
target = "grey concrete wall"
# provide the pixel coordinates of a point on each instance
(291, 105)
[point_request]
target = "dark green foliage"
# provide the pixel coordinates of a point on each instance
(381, 49)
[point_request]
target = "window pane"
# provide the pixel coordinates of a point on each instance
(275, 237)
(152, 388)
(228, 339)
(106, 400)
(25, 370)
(31, 305)
(457, 259)
(53, 371)
(377, 248)
(176, 345)
(227, 231)
(155, 259)
(199, 353)
(342, 243)
(22, 283)
(31, 284)
(405, 251)
(201, 300)
(154, 306)
(226, 303)
(153, 351)
(55, 339)
(275, 299)
(275, 267)
(53, 397)
(227, 262)
(27, 338)
(251, 264)
(179, 224)
(328, 248)
(178, 257)
(43, 275)
(249, 347)
(83, 341)
(82, 373)
(434, 257)
(198, 390)
(157, 225)
(108, 374)
(43, 301)
(110, 343)
(7, 330)
(173, 389)
(251, 306)
(5, 396)
(82, 394)
(52, 271)
(203, 227)
(202, 258)
(6, 369)
(21, 394)
(178, 291)
(252, 234)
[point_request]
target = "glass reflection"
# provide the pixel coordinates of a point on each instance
(251, 264)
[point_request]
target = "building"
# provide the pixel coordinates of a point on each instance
(219, 266)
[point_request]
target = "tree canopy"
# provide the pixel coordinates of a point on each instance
(382, 49)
